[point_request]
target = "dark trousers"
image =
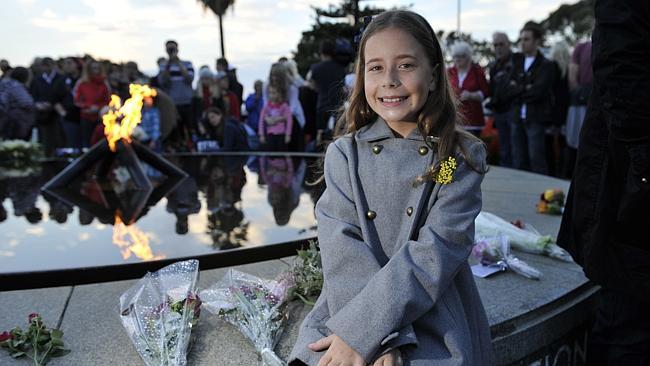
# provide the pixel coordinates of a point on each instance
(621, 333)
(50, 134)
(528, 145)
(185, 124)
(502, 122)
(275, 143)
(87, 129)
(72, 131)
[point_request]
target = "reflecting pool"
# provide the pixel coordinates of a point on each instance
(225, 202)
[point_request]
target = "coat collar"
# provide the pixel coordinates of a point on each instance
(379, 130)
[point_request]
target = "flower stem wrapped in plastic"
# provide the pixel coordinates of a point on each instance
(527, 240)
(255, 306)
(160, 312)
(495, 251)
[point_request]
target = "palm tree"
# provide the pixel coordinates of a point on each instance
(219, 8)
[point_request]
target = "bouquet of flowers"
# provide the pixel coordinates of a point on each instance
(526, 239)
(255, 306)
(495, 252)
(551, 202)
(160, 312)
(307, 272)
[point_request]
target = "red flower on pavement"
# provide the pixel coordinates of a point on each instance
(32, 316)
(5, 336)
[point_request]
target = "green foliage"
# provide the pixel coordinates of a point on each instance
(308, 275)
(38, 342)
(17, 154)
(331, 23)
(571, 22)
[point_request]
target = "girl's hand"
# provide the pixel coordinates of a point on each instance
(287, 139)
(392, 358)
(338, 352)
(262, 140)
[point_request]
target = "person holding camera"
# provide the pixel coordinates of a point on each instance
(175, 79)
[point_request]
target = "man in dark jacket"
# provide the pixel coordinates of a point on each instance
(605, 225)
(500, 104)
(42, 88)
(64, 102)
(531, 89)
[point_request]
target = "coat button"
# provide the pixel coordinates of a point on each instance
(423, 150)
(409, 211)
(377, 149)
(371, 214)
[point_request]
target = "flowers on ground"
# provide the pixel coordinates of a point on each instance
(160, 312)
(255, 306)
(307, 272)
(38, 342)
(551, 202)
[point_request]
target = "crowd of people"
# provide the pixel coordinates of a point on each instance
(537, 102)
(534, 100)
(61, 102)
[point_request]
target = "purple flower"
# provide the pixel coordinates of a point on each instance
(32, 316)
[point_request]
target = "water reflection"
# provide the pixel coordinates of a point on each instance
(225, 203)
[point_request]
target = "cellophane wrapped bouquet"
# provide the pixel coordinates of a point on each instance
(495, 252)
(526, 239)
(160, 312)
(255, 306)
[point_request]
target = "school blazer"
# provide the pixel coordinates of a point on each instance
(381, 289)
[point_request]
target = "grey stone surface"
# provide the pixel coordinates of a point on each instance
(513, 194)
(523, 313)
(17, 305)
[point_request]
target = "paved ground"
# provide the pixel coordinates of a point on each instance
(89, 314)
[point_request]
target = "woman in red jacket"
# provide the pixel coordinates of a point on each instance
(91, 94)
(468, 81)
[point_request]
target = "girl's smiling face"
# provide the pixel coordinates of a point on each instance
(397, 75)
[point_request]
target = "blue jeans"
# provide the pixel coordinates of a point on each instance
(528, 146)
(72, 131)
(502, 121)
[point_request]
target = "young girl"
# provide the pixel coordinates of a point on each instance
(276, 121)
(396, 222)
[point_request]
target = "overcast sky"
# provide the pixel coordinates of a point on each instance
(257, 32)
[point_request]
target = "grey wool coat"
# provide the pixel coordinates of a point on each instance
(381, 289)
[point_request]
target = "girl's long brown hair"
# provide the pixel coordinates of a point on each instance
(439, 117)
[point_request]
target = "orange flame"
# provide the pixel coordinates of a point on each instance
(132, 240)
(129, 114)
